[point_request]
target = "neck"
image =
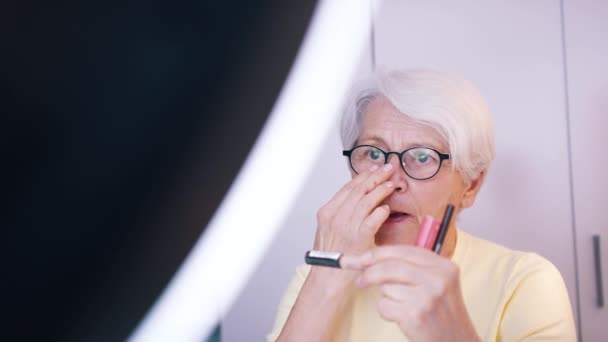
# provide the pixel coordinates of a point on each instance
(449, 244)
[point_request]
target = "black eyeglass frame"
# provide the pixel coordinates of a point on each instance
(387, 154)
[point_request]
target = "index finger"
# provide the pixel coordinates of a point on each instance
(344, 192)
(409, 253)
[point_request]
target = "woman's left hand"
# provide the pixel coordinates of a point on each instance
(420, 292)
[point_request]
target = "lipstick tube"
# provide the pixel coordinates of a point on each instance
(428, 232)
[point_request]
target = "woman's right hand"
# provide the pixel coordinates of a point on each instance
(350, 220)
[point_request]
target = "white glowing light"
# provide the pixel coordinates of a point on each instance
(222, 260)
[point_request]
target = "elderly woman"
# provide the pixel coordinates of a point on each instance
(416, 141)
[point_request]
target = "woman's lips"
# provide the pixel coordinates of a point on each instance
(396, 217)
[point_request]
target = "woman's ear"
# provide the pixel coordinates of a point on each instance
(471, 191)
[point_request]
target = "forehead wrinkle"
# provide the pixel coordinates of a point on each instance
(382, 123)
(400, 141)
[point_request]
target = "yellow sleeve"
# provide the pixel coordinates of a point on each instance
(539, 308)
(288, 300)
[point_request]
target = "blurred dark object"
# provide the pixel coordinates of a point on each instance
(216, 335)
(123, 125)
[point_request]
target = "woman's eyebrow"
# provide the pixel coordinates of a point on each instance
(373, 138)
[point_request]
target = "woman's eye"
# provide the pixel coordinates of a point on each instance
(375, 154)
(423, 157)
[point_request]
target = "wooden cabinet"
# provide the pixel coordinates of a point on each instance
(586, 46)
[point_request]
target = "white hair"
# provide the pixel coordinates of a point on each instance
(444, 101)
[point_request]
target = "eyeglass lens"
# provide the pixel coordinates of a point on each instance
(418, 162)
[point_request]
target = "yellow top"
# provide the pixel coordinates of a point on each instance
(510, 296)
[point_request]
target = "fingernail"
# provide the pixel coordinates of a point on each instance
(389, 184)
(387, 167)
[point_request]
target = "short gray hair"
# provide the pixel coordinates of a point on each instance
(444, 101)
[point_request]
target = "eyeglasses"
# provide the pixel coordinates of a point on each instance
(418, 162)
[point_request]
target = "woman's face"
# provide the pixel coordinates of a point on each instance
(384, 127)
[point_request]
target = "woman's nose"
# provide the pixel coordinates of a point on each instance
(399, 178)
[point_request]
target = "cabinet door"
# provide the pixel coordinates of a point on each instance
(586, 33)
(513, 52)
